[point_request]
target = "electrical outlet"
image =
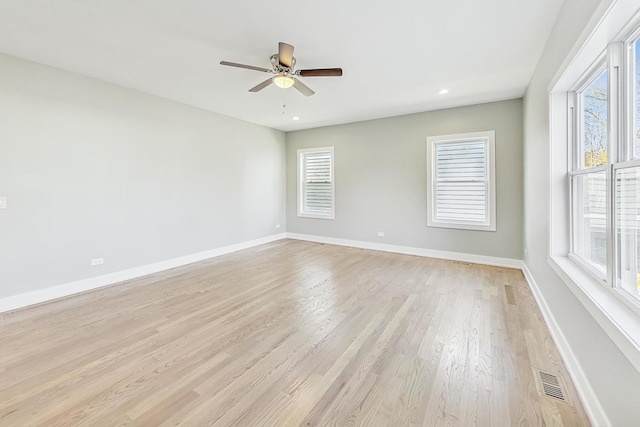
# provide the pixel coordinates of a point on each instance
(380, 233)
(526, 253)
(97, 261)
(3, 203)
(277, 225)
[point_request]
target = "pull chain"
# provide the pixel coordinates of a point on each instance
(284, 101)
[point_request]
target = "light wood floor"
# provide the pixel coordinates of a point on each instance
(286, 334)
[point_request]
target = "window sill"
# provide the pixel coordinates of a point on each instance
(461, 225)
(316, 216)
(618, 321)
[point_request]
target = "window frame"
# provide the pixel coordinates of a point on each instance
(616, 61)
(576, 166)
(633, 301)
(302, 211)
(490, 182)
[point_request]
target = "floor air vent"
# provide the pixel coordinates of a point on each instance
(550, 385)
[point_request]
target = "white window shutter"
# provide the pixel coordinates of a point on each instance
(315, 174)
(318, 187)
(461, 181)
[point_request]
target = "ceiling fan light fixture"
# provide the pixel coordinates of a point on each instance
(283, 81)
(283, 72)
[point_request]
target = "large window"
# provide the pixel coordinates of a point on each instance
(316, 190)
(594, 158)
(460, 181)
(604, 110)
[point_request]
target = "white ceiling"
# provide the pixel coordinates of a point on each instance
(396, 55)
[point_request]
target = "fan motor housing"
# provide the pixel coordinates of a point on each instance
(275, 63)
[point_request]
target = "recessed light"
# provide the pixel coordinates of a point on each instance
(296, 118)
(443, 91)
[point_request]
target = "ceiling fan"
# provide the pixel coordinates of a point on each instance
(283, 66)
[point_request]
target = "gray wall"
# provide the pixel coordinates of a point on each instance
(381, 179)
(96, 170)
(614, 380)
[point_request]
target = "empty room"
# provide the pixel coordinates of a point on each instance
(320, 214)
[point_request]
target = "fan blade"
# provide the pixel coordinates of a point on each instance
(285, 54)
(303, 88)
(321, 72)
(261, 85)
(248, 67)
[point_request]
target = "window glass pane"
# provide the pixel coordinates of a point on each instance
(636, 97)
(628, 229)
(590, 218)
(594, 123)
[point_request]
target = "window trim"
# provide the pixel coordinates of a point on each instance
(490, 186)
(301, 153)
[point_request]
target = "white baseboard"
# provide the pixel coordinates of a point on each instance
(590, 402)
(35, 297)
(39, 296)
(408, 250)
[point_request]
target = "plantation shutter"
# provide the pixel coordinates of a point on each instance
(317, 185)
(461, 183)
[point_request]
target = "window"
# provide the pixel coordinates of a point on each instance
(460, 181)
(588, 176)
(594, 158)
(605, 172)
(316, 187)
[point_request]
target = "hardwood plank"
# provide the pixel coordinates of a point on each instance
(511, 298)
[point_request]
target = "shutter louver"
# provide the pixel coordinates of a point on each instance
(318, 188)
(461, 181)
